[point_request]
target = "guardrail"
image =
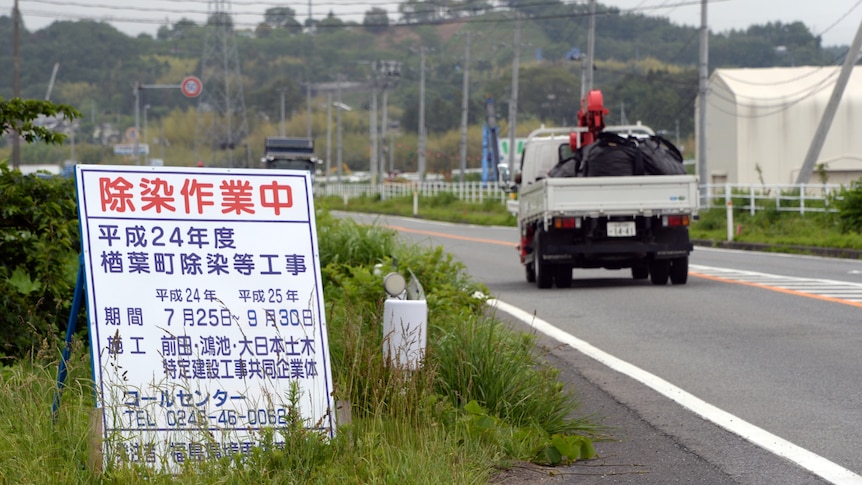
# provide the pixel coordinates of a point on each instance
(742, 197)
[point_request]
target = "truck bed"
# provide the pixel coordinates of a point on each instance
(608, 196)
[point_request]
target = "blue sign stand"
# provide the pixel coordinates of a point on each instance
(70, 331)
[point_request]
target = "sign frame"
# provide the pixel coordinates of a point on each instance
(251, 329)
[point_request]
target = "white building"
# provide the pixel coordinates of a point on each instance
(760, 123)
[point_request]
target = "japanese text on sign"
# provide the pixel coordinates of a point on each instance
(205, 308)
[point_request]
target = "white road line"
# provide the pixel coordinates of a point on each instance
(816, 464)
(844, 290)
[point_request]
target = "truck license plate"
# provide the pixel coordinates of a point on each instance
(622, 229)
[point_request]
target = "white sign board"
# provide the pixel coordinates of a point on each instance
(205, 309)
(129, 149)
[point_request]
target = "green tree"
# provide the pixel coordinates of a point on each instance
(38, 236)
(283, 18)
(376, 20)
(415, 11)
(331, 23)
(21, 116)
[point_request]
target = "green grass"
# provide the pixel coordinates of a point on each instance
(483, 399)
(442, 207)
(784, 231)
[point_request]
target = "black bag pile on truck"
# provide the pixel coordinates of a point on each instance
(612, 155)
(660, 156)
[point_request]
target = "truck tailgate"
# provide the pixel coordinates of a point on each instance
(609, 196)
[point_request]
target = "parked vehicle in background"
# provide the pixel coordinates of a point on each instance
(290, 153)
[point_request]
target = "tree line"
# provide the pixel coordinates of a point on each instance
(645, 65)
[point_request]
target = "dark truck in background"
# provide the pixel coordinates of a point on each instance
(289, 153)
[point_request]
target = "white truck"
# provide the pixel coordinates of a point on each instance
(614, 222)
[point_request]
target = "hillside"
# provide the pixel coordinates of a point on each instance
(645, 65)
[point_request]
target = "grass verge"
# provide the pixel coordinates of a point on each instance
(483, 399)
(781, 231)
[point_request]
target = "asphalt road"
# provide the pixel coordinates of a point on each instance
(765, 345)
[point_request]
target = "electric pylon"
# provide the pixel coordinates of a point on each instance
(222, 125)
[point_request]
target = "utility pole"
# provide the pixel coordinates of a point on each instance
(831, 107)
(384, 126)
(465, 99)
(328, 135)
(16, 83)
(338, 132)
(308, 108)
(421, 145)
(513, 102)
(703, 73)
(373, 131)
(137, 93)
(281, 93)
(388, 71)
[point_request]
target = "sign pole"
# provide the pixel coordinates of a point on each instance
(70, 332)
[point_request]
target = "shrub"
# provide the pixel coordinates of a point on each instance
(850, 208)
(39, 246)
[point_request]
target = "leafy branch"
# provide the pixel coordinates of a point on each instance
(23, 115)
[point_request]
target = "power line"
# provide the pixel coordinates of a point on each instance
(773, 109)
(840, 19)
(466, 8)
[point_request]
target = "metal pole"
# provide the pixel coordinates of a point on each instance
(421, 145)
(146, 139)
(465, 99)
(372, 162)
(383, 127)
(228, 108)
(513, 102)
(281, 91)
(16, 82)
(392, 154)
(137, 95)
(703, 73)
(591, 43)
(831, 107)
(328, 135)
(338, 132)
(308, 108)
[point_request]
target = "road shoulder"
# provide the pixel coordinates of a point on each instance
(652, 440)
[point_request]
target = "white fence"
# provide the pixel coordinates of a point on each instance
(749, 197)
(473, 192)
(785, 198)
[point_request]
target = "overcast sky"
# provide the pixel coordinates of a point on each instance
(835, 20)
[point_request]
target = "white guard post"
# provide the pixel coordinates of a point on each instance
(405, 324)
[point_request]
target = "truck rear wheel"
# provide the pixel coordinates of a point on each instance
(679, 270)
(543, 276)
(658, 271)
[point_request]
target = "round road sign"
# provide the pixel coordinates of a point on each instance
(191, 86)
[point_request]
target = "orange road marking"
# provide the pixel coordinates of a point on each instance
(451, 236)
(692, 273)
(779, 290)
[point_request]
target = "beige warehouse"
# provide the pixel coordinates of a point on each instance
(760, 123)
